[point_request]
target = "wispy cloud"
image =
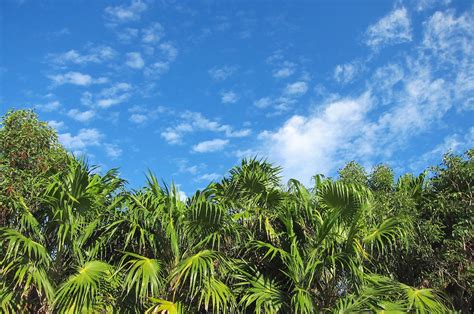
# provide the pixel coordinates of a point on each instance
(153, 33)
(263, 102)
(58, 125)
(60, 32)
(123, 13)
(113, 151)
(135, 60)
(195, 121)
(127, 34)
(296, 88)
(81, 116)
(209, 177)
(96, 54)
(448, 42)
(168, 53)
(76, 78)
(114, 95)
(454, 143)
(245, 153)
(184, 167)
(403, 99)
(305, 143)
(142, 114)
(347, 72)
(210, 146)
(49, 106)
(229, 97)
(421, 5)
(393, 28)
(83, 139)
(222, 73)
(284, 70)
(138, 118)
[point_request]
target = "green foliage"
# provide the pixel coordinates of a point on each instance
(87, 291)
(143, 275)
(381, 178)
(24, 140)
(82, 243)
(29, 154)
(353, 173)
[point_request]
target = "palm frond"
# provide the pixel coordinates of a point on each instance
(86, 290)
(260, 293)
(20, 245)
(166, 307)
(194, 271)
(143, 275)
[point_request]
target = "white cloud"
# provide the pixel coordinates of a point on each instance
(422, 5)
(296, 89)
(404, 99)
(157, 68)
(76, 78)
(286, 69)
(229, 97)
(113, 151)
(127, 34)
(210, 146)
(114, 95)
(393, 28)
(281, 68)
(447, 36)
(81, 116)
(153, 33)
(58, 125)
(123, 13)
(84, 139)
(172, 136)
(247, 153)
(169, 51)
(304, 145)
(385, 79)
(97, 54)
(222, 73)
(61, 32)
(448, 40)
(284, 72)
(195, 121)
(346, 73)
(181, 194)
(454, 143)
(263, 102)
(135, 60)
(209, 177)
(183, 167)
(283, 103)
(50, 106)
(142, 114)
(138, 118)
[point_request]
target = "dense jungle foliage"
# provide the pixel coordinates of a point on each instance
(77, 241)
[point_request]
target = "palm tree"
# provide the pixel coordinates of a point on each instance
(42, 249)
(245, 244)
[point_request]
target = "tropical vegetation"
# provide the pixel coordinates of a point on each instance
(76, 240)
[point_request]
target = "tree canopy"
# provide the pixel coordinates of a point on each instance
(78, 241)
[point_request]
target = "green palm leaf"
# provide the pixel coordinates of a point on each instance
(166, 307)
(262, 294)
(86, 290)
(143, 275)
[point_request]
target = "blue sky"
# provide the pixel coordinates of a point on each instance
(186, 89)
